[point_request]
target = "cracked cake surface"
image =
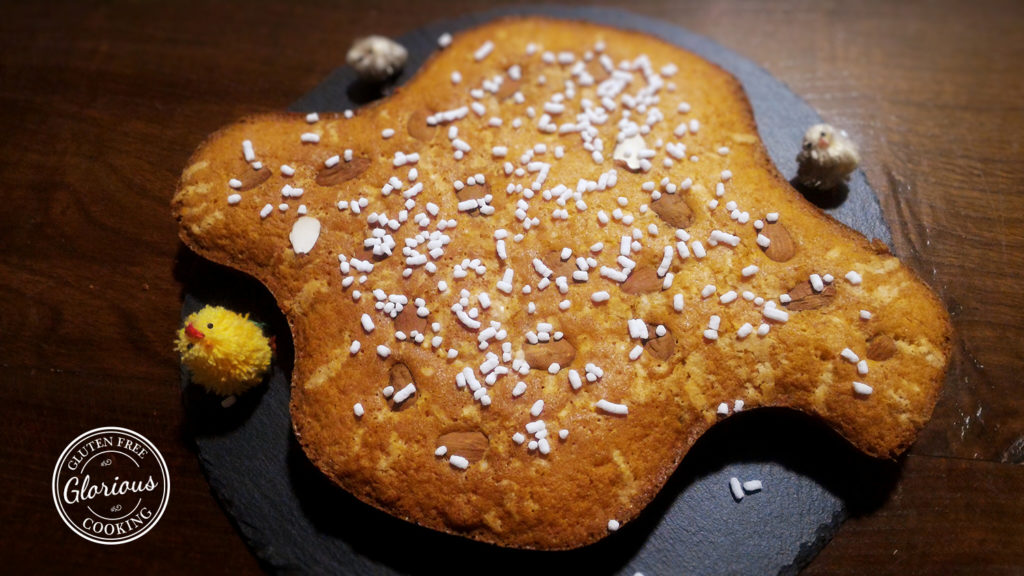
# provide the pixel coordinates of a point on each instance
(524, 284)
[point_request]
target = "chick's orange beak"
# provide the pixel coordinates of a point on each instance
(822, 143)
(194, 332)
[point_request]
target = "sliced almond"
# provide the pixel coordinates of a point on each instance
(642, 280)
(471, 445)
(475, 192)
(249, 177)
(596, 69)
(661, 347)
(627, 152)
(363, 253)
(508, 88)
(400, 376)
(673, 209)
(803, 297)
(304, 234)
(408, 321)
(881, 347)
(342, 172)
(418, 127)
(559, 267)
(542, 355)
(782, 247)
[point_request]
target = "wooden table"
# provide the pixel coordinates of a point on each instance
(100, 106)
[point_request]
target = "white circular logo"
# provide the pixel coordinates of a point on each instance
(111, 485)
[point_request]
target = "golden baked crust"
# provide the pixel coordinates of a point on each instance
(610, 465)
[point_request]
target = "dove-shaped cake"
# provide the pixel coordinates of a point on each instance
(524, 284)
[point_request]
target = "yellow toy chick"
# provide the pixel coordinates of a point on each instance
(226, 352)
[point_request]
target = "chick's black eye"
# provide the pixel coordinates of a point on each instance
(209, 326)
(189, 347)
(822, 135)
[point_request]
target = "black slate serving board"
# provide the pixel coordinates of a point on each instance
(295, 520)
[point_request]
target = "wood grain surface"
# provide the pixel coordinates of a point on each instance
(101, 105)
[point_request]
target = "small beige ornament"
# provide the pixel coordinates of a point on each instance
(376, 58)
(827, 158)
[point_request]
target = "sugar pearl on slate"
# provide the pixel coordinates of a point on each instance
(751, 486)
(736, 487)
